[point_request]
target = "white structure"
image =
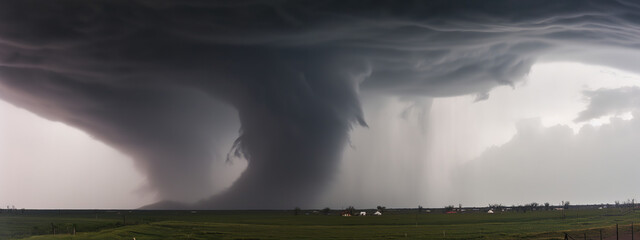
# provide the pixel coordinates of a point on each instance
(490, 211)
(363, 213)
(377, 213)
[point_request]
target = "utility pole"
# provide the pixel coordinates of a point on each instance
(600, 234)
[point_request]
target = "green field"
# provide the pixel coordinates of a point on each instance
(394, 224)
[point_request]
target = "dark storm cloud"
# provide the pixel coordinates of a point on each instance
(155, 78)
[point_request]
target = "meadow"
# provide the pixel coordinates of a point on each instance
(393, 224)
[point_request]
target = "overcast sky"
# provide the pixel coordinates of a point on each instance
(428, 152)
(215, 105)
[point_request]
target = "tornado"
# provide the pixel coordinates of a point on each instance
(168, 82)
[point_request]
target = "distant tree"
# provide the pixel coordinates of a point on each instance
(566, 204)
(449, 208)
(496, 206)
(629, 203)
(381, 208)
(296, 211)
(420, 208)
(351, 210)
(326, 211)
(531, 206)
(617, 203)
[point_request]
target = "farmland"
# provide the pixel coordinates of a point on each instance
(309, 224)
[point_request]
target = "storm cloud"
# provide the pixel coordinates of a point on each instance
(604, 102)
(554, 164)
(166, 82)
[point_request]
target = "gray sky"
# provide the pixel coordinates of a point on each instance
(296, 104)
(390, 163)
(401, 164)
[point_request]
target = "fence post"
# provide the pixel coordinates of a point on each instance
(585, 235)
(631, 230)
(617, 232)
(600, 234)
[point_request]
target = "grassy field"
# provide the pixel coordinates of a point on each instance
(394, 224)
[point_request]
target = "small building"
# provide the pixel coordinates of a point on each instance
(377, 213)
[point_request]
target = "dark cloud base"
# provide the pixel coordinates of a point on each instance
(160, 80)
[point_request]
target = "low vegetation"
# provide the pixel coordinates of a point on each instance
(317, 224)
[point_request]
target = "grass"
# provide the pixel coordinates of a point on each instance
(394, 224)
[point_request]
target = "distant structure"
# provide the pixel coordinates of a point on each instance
(377, 213)
(363, 213)
(490, 211)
